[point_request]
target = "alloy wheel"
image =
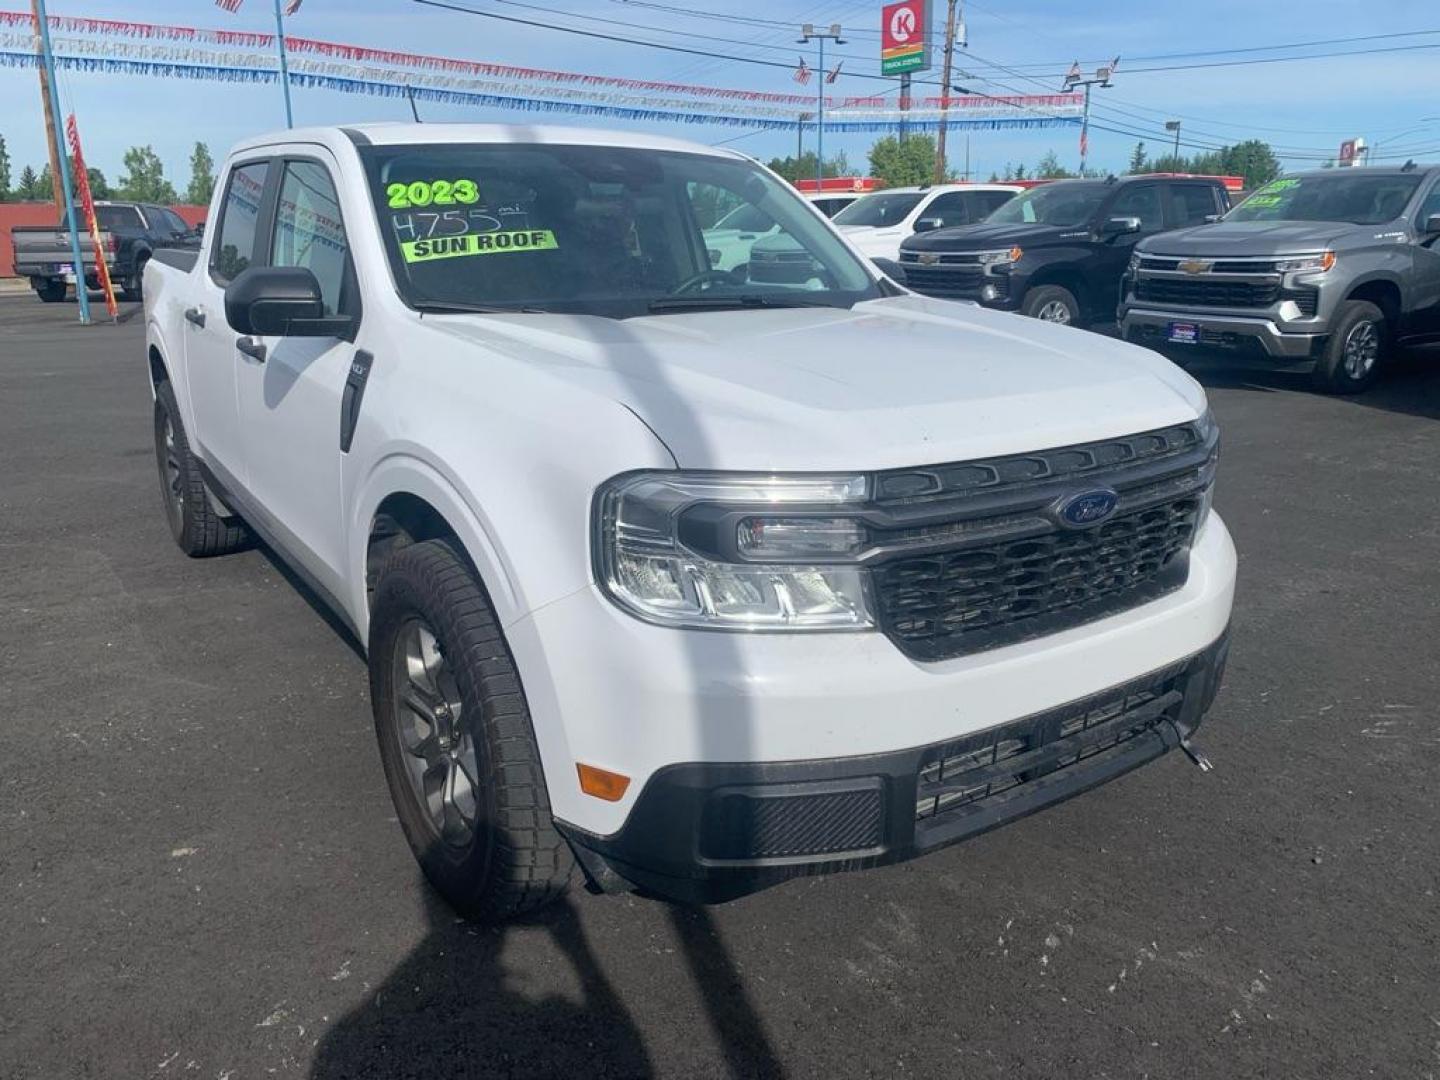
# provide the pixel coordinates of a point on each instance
(1054, 311)
(439, 748)
(1362, 350)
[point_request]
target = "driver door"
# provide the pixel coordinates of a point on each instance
(290, 396)
(1143, 201)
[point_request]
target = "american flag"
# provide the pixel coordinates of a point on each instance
(231, 6)
(292, 6)
(802, 73)
(831, 76)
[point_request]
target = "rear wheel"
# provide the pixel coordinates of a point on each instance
(1051, 303)
(456, 740)
(134, 285)
(52, 292)
(1355, 350)
(196, 527)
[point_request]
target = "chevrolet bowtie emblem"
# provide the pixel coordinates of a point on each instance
(929, 258)
(1196, 266)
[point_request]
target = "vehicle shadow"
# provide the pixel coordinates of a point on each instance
(1410, 382)
(450, 1010)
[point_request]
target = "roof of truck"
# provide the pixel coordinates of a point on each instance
(398, 134)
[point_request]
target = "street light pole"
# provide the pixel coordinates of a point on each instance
(1174, 125)
(1101, 79)
(807, 32)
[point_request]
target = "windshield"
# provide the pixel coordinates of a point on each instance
(745, 218)
(1053, 204)
(599, 230)
(1356, 197)
(879, 210)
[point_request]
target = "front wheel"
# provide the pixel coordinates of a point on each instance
(1051, 303)
(456, 741)
(1355, 350)
(52, 292)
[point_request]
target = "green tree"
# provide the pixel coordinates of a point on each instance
(202, 176)
(803, 167)
(1254, 160)
(1138, 160)
(28, 189)
(1049, 168)
(4, 170)
(901, 164)
(144, 179)
(99, 186)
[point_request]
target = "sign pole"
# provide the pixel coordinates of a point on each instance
(87, 203)
(284, 64)
(939, 177)
(47, 57)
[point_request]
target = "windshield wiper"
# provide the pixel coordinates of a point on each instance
(459, 307)
(723, 303)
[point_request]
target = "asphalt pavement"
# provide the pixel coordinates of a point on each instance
(201, 874)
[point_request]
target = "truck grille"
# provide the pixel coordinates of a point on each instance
(1226, 294)
(975, 558)
(967, 777)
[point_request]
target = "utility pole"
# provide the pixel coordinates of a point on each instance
(62, 175)
(50, 141)
(950, 18)
(285, 66)
(904, 105)
(807, 32)
(1100, 79)
(1174, 125)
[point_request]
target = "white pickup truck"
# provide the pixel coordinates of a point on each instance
(698, 582)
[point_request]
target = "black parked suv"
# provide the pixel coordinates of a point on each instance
(1059, 251)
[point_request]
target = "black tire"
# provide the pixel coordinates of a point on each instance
(196, 527)
(1358, 346)
(467, 712)
(134, 285)
(52, 292)
(1049, 303)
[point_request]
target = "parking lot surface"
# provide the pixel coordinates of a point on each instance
(202, 876)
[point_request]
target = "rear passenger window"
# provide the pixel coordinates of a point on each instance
(239, 215)
(308, 230)
(1191, 204)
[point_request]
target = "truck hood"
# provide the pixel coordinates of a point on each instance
(986, 236)
(890, 383)
(1260, 238)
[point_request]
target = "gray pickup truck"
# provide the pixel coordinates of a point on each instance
(129, 233)
(1332, 269)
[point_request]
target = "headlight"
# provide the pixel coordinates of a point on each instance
(1209, 430)
(1134, 261)
(1313, 263)
(734, 552)
(1009, 255)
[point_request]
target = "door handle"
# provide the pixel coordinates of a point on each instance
(251, 348)
(196, 316)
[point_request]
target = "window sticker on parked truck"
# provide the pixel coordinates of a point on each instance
(428, 192)
(423, 224)
(488, 243)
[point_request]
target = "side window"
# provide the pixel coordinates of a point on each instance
(234, 244)
(308, 229)
(1431, 205)
(1191, 204)
(993, 200)
(952, 208)
(1142, 201)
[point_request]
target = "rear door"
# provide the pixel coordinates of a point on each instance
(211, 359)
(1424, 319)
(1190, 204)
(290, 400)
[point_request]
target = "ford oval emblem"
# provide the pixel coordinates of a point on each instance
(1088, 507)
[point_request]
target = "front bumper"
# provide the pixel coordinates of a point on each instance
(1253, 333)
(708, 833)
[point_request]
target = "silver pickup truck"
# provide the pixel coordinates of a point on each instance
(1331, 268)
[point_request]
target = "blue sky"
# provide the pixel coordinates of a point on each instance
(1309, 106)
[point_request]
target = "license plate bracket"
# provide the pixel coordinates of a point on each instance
(1183, 333)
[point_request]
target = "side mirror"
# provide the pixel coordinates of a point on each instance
(929, 224)
(283, 301)
(1119, 226)
(1211, 219)
(891, 269)
(1432, 225)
